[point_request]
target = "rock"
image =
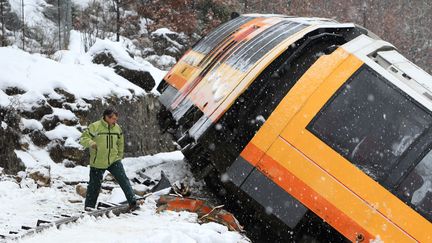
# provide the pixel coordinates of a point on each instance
(39, 138)
(14, 91)
(139, 77)
(9, 142)
(42, 176)
(67, 96)
(81, 109)
(170, 43)
(10, 116)
(105, 58)
(39, 110)
(148, 52)
(69, 163)
(49, 122)
(59, 153)
(81, 190)
(55, 102)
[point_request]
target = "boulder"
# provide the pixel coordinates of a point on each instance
(9, 142)
(142, 79)
(81, 190)
(55, 102)
(41, 175)
(10, 116)
(105, 58)
(68, 97)
(37, 111)
(69, 163)
(59, 153)
(166, 42)
(13, 91)
(39, 138)
(139, 77)
(49, 122)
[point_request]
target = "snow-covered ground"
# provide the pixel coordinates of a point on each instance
(24, 203)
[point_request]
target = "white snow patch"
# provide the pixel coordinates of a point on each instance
(39, 75)
(64, 114)
(4, 125)
(26, 158)
(82, 3)
(30, 124)
(62, 132)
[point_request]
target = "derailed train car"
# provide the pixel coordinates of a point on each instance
(307, 124)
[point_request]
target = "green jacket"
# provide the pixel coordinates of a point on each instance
(109, 141)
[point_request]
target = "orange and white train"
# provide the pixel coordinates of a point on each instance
(306, 121)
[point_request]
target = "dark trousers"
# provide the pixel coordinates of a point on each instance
(96, 177)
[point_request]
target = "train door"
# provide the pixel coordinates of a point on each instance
(337, 152)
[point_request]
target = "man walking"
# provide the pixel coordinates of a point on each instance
(106, 142)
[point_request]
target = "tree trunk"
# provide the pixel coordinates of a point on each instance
(3, 38)
(67, 22)
(23, 24)
(118, 19)
(59, 24)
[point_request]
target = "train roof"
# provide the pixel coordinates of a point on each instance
(384, 58)
(303, 20)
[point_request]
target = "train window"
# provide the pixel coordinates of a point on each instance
(262, 43)
(371, 123)
(416, 188)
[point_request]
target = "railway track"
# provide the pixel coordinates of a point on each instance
(103, 208)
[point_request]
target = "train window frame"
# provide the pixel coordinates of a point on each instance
(400, 162)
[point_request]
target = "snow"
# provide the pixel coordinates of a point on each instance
(144, 22)
(121, 56)
(26, 158)
(4, 125)
(82, 3)
(34, 156)
(24, 203)
(30, 124)
(62, 131)
(64, 114)
(147, 226)
(33, 12)
(39, 75)
(163, 31)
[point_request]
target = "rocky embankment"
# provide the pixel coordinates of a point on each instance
(48, 127)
